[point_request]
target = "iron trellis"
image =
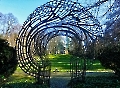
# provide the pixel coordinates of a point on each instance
(55, 18)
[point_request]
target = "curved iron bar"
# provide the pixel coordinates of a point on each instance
(55, 18)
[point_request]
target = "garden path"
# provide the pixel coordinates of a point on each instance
(61, 79)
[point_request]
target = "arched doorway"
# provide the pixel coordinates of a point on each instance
(55, 18)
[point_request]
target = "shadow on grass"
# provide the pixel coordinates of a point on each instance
(99, 82)
(62, 63)
(23, 85)
(21, 80)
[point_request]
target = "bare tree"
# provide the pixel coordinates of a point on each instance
(9, 27)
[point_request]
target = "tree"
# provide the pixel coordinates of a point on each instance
(8, 59)
(7, 22)
(9, 27)
(113, 14)
(109, 58)
(109, 52)
(56, 45)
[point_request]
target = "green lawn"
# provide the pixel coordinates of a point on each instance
(62, 63)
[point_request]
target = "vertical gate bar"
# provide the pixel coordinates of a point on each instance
(76, 68)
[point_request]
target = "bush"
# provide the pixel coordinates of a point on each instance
(110, 58)
(99, 82)
(8, 60)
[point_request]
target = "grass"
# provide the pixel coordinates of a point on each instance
(62, 63)
(23, 85)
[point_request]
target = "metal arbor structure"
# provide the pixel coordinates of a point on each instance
(55, 18)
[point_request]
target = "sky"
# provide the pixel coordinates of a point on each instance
(20, 8)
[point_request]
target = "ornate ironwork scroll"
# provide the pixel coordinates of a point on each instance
(55, 18)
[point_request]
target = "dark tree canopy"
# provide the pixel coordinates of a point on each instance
(8, 60)
(109, 57)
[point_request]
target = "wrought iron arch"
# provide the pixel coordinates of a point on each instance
(55, 18)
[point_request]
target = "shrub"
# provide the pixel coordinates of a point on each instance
(99, 82)
(8, 61)
(110, 57)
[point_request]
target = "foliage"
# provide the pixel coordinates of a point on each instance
(99, 82)
(8, 61)
(78, 51)
(109, 57)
